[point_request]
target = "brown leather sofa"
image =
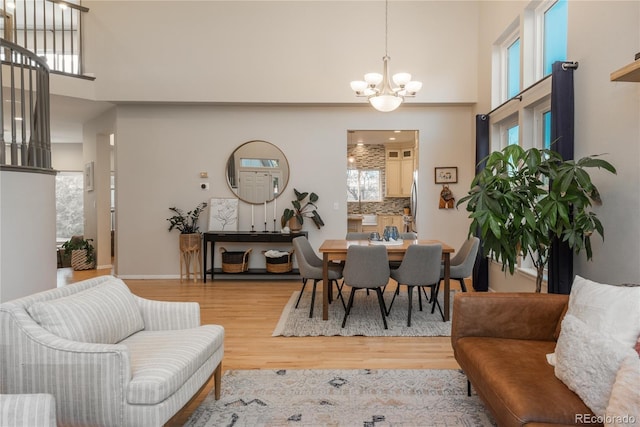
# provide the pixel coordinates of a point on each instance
(500, 341)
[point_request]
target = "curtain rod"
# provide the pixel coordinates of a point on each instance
(565, 65)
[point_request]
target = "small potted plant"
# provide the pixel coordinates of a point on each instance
(81, 252)
(301, 209)
(187, 225)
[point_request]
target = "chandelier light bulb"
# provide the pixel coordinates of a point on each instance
(401, 79)
(385, 103)
(373, 79)
(413, 87)
(358, 86)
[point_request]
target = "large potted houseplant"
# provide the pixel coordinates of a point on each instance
(81, 252)
(301, 210)
(523, 199)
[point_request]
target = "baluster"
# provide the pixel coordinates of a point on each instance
(12, 87)
(3, 146)
(24, 160)
(64, 61)
(53, 33)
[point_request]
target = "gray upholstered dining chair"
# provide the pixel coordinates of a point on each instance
(463, 261)
(366, 267)
(310, 266)
(420, 268)
(410, 235)
(354, 235)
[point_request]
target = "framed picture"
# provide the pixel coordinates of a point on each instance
(88, 176)
(447, 175)
(223, 215)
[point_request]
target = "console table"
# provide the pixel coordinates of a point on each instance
(211, 237)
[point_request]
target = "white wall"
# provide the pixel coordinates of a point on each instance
(160, 151)
(27, 226)
(608, 122)
(276, 51)
(67, 157)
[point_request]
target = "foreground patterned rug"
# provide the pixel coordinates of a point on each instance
(364, 318)
(364, 398)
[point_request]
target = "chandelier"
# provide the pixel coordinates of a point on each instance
(377, 87)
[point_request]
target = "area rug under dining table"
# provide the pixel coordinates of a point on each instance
(364, 318)
(358, 397)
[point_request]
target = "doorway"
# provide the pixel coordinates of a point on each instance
(382, 167)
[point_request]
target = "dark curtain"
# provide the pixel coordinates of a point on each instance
(560, 267)
(481, 267)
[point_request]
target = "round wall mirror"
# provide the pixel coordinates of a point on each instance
(257, 172)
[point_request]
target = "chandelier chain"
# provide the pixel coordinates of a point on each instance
(386, 27)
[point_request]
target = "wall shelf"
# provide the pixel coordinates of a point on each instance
(628, 73)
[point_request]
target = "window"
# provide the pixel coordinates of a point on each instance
(364, 185)
(512, 135)
(506, 61)
(259, 163)
(546, 129)
(552, 26)
(69, 205)
(513, 69)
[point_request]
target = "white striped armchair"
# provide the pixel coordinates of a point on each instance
(108, 357)
(27, 410)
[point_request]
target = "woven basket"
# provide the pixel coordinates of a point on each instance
(281, 264)
(79, 260)
(236, 261)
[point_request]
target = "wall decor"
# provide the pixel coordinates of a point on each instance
(446, 175)
(223, 214)
(88, 176)
(446, 198)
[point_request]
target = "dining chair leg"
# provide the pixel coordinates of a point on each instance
(348, 309)
(410, 294)
(313, 298)
(436, 302)
(304, 283)
(462, 285)
(419, 299)
(434, 296)
(383, 310)
(340, 293)
(395, 293)
(426, 297)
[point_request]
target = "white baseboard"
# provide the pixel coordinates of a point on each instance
(148, 277)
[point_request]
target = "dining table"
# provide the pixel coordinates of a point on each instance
(336, 250)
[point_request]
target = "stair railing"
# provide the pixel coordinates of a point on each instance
(49, 28)
(24, 108)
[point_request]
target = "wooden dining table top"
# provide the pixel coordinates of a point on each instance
(340, 246)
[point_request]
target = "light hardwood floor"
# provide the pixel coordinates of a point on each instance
(249, 311)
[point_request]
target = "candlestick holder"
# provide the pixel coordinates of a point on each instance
(265, 227)
(252, 229)
(274, 226)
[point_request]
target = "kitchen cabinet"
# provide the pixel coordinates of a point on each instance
(399, 166)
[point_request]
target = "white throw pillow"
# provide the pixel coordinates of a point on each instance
(106, 313)
(587, 361)
(624, 403)
(612, 310)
